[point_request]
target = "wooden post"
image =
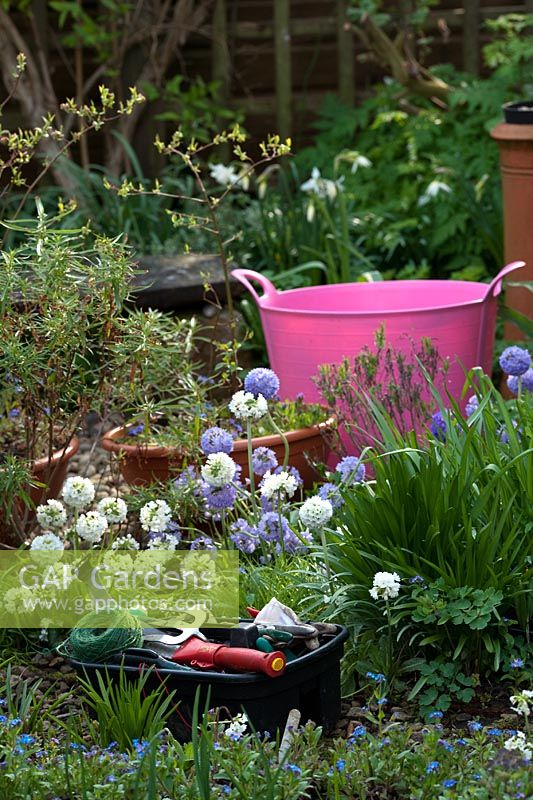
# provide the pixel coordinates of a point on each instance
(282, 44)
(221, 67)
(471, 25)
(345, 55)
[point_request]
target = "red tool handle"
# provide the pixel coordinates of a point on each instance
(205, 655)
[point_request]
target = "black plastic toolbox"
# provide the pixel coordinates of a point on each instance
(310, 683)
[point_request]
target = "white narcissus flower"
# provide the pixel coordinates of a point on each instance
(47, 541)
(315, 513)
(519, 742)
(78, 492)
(279, 485)
(219, 469)
(386, 586)
(520, 702)
(114, 509)
(434, 189)
(223, 174)
(91, 526)
(322, 187)
(51, 515)
(155, 516)
(243, 405)
(360, 161)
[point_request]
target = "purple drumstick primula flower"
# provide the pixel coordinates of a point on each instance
(515, 360)
(219, 497)
(330, 491)
(273, 527)
(472, 405)
(262, 381)
(351, 470)
(438, 426)
(525, 381)
(244, 536)
(263, 460)
(216, 440)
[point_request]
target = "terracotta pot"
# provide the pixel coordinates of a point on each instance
(515, 142)
(52, 472)
(143, 464)
(304, 444)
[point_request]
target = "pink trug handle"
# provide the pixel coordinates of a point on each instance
(247, 275)
(495, 286)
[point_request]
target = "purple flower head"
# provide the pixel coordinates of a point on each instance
(135, 430)
(417, 579)
(235, 426)
(330, 491)
(188, 478)
(202, 543)
(525, 381)
(504, 433)
(294, 768)
(244, 536)
(516, 663)
(515, 360)
(219, 497)
(438, 426)
(216, 440)
(295, 543)
(262, 381)
(472, 405)
(474, 726)
(263, 460)
(351, 470)
(273, 527)
(435, 715)
(13, 413)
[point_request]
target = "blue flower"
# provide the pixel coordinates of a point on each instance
(460, 742)
(449, 783)
(379, 677)
(216, 440)
(357, 733)
(341, 765)
(294, 768)
(25, 738)
(474, 726)
(218, 497)
(447, 745)
(382, 701)
(417, 579)
(136, 429)
(262, 381)
(202, 543)
(14, 722)
(516, 663)
(263, 460)
(525, 381)
(330, 491)
(438, 426)
(226, 789)
(273, 527)
(14, 413)
(494, 732)
(433, 766)
(472, 405)
(295, 543)
(515, 360)
(435, 715)
(351, 470)
(244, 536)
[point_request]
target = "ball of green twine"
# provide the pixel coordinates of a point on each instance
(95, 645)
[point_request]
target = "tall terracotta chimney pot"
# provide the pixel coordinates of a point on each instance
(516, 164)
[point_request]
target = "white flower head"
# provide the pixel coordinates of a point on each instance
(155, 516)
(219, 469)
(237, 727)
(114, 509)
(91, 526)
(47, 541)
(315, 513)
(280, 485)
(322, 187)
(243, 405)
(520, 702)
(434, 189)
(360, 161)
(169, 541)
(125, 542)
(519, 742)
(78, 492)
(223, 174)
(386, 586)
(51, 515)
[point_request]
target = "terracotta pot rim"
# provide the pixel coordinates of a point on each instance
(58, 456)
(110, 444)
(273, 439)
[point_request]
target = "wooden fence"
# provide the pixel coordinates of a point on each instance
(276, 59)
